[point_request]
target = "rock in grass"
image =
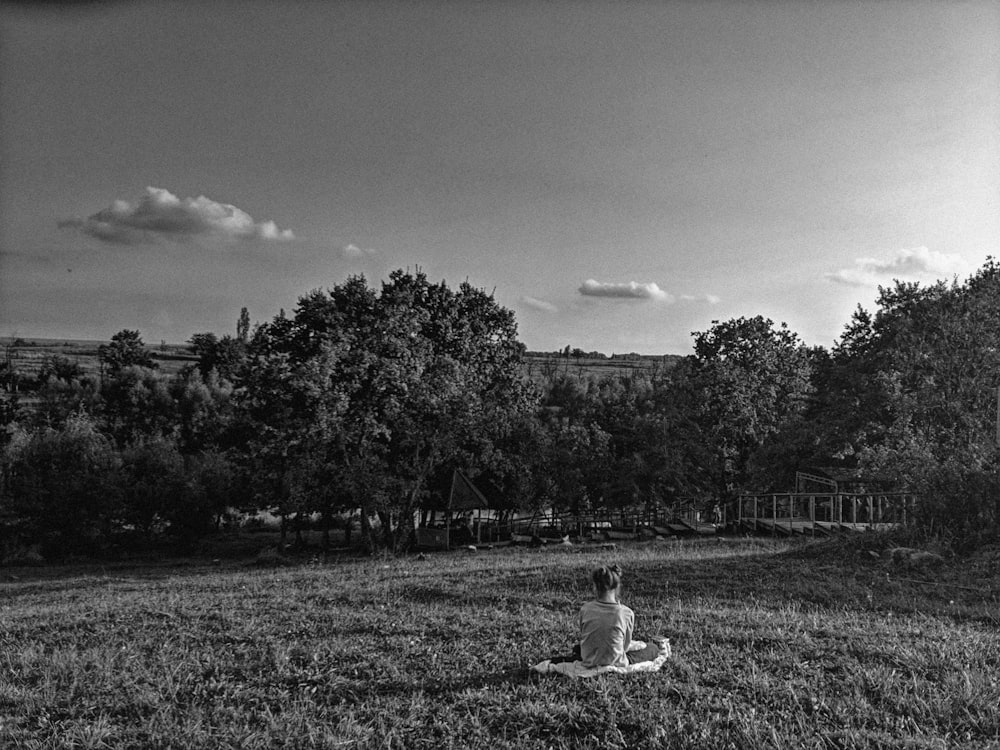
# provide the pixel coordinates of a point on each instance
(925, 559)
(912, 558)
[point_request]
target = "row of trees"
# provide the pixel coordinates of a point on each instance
(365, 397)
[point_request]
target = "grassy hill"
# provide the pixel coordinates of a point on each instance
(817, 645)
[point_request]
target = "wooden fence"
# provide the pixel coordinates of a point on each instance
(823, 513)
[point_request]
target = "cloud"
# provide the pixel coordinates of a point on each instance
(631, 290)
(159, 214)
(918, 264)
(539, 304)
(353, 251)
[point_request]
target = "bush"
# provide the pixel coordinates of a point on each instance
(152, 479)
(959, 504)
(59, 488)
(209, 481)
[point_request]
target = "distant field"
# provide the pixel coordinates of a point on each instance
(817, 645)
(540, 367)
(28, 358)
(171, 358)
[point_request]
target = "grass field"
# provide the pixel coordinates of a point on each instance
(805, 646)
(28, 357)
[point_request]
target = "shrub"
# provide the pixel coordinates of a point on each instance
(59, 488)
(959, 503)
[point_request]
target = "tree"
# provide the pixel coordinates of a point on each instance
(912, 392)
(125, 350)
(152, 484)
(138, 404)
(243, 326)
(373, 391)
(744, 382)
(205, 347)
(63, 389)
(58, 367)
(59, 488)
(225, 357)
(575, 473)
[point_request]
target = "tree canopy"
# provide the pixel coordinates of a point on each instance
(125, 350)
(373, 391)
(365, 396)
(745, 382)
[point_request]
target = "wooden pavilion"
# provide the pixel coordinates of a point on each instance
(465, 514)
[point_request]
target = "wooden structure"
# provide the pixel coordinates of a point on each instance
(624, 523)
(465, 516)
(687, 518)
(818, 513)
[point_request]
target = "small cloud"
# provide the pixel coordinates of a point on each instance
(159, 214)
(631, 290)
(353, 251)
(709, 298)
(539, 304)
(918, 264)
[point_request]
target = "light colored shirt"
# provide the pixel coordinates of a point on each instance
(605, 633)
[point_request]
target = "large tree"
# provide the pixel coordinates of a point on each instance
(912, 393)
(746, 380)
(125, 350)
(225, 357)
(363, 394)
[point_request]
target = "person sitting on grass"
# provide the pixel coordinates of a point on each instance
(606, 627)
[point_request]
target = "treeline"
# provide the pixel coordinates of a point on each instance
(369, 397)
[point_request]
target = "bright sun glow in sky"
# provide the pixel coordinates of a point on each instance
(621, 174)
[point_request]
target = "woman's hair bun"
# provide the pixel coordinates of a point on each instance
(607, 577)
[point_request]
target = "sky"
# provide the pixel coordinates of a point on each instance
(619, 174)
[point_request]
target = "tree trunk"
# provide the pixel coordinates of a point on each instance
(388, 538)
(405, 533)
(367, 532)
